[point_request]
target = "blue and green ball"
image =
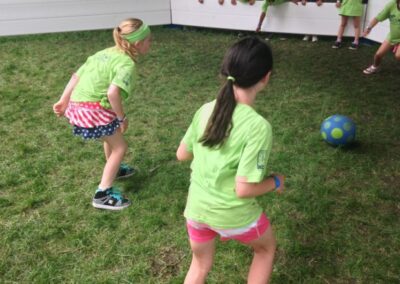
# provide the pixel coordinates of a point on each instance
(338, 130)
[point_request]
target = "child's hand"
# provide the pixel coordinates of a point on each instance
(366, 32)
(338, 4)
(60, 107)
(281, 187)
(319, 2)
(123, 125)
(258, 29)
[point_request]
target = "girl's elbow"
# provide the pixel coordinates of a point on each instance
(241, 193)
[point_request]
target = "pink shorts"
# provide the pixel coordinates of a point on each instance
(200, 232)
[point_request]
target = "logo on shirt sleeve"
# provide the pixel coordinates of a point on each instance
(261, 157)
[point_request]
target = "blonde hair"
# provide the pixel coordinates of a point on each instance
(126, 27)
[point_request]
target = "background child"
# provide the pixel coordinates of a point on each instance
(265, 6)
(349, 9)
(314, 38)
(92, 101)
(391, 12)
(221, 2)
(230, 145)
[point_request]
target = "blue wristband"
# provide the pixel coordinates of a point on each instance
(277, 182)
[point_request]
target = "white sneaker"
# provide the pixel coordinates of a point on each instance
(314, 38)
(306, 37)
(371, 70)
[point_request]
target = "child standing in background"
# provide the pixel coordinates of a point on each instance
(265, 6)
(229, 143)
(349, 9)
(392, 41)
(314, 38)
(92, 101)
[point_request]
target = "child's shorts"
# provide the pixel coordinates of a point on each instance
(200, 232)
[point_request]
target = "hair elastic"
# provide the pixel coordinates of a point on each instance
(138, 35)
(230, 78)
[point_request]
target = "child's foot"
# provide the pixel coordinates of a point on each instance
(109, 199)
(354, 46)
(371, 70)
(306, 38)
(314, 38)
(125, 171)
(337, 44)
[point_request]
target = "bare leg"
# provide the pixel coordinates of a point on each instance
(117, 147)
(397, 54)
(202, 260)
(107, 150)
(357, 31)
(263, 259)
(343, 24)
(382, 50)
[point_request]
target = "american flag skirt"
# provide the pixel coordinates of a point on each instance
(89, 114)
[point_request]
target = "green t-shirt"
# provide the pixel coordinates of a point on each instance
(212, 197)
(268, 3)
(393, 14)
(106, 67)
(351, 8)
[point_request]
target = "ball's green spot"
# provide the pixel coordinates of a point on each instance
(347, 126)
(337, 118)
(337, 133)
(327, 124)
(324, 136)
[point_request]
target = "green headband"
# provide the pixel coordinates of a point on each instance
(138, 35)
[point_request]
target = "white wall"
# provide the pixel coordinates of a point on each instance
(381, 30)
(42, 16)
(285, 18)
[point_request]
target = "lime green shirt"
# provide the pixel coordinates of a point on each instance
(351, 8)
(212, 197)
(393, 14)
(267, 3)
(106, 67)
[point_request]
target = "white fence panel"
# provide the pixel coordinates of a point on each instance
(285, 18)
(43, 16)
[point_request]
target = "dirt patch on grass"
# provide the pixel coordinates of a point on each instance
(166, 263)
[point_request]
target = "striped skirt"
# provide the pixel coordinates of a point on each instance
(90, 120)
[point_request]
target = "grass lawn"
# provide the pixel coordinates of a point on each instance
(338, 222)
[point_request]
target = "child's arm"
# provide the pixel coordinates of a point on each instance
(182, 154)
(245, 189)
(114, 97)
(260, 21)
(371, 25)
(62, 104)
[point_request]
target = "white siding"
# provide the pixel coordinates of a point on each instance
(42, 16)
(285, 18)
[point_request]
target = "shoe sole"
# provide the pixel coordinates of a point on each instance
(125, 176)
(106, 207)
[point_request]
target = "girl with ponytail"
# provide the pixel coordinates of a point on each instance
(92, 102)
(229, 145)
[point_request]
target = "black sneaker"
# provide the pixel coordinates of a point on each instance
(125, 171)
(354, 46)
(337, 44)
(109, 199)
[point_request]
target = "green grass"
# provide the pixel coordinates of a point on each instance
(339, 221)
